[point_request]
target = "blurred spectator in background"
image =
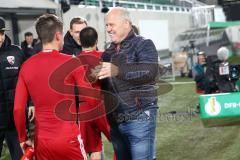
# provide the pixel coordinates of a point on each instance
(198, 72)
(28, 44)
(11, 59)
(72, 44)
(38, 46)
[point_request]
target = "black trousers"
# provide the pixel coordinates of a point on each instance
(11, 138)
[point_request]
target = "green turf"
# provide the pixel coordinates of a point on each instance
(186, 138)
(183, 79)
(182, 136)
(5, 153)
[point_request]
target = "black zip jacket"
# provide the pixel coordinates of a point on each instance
(11, 59)
(134, 87)
(70, 46)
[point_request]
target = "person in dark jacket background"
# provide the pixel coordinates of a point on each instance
(28, 44)
(72, 44)
(38, 46)
(11, 59)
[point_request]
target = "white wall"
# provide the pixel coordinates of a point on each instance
(157, 31)
(26, 25)
(219, 15)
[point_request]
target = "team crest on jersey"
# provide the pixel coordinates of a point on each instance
(11, 59)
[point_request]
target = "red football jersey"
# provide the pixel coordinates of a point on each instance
(48, 77)
(91, 130)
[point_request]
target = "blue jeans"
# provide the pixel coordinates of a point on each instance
(134, 139)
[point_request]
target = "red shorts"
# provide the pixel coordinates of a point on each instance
(59, 148)
(91, 134)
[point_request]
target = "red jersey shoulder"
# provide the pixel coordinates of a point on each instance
(43, 55)
(98, 54)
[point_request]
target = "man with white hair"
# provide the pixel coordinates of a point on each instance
(129, 71)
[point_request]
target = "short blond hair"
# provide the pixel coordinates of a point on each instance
(78, 20)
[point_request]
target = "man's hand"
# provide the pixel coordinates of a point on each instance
(31, 113)
(26, 144)
(96, 70)
(106, 70)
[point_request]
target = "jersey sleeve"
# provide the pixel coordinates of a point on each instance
(20, 102)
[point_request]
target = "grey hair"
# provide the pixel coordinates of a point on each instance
(125, 14)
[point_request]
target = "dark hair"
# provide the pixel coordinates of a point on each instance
(27, 34)
(135, 29)
(78, 20)
(46, 26)
(88, 37)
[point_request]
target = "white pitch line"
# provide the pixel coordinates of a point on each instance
(175, 83)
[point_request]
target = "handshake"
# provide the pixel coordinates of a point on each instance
(104, 70)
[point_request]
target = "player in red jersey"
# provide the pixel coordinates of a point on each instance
(55, 138)
(92, 129)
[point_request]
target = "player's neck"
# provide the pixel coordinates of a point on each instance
(51, 46)
(89, 49)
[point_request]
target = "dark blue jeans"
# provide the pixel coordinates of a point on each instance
(12, 141)
(134, 139)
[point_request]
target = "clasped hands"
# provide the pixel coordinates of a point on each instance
(104, 70)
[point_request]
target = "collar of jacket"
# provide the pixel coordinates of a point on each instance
(33, 43)
(6, 43)
(111, 50)
(69, 41)
(130, 35)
